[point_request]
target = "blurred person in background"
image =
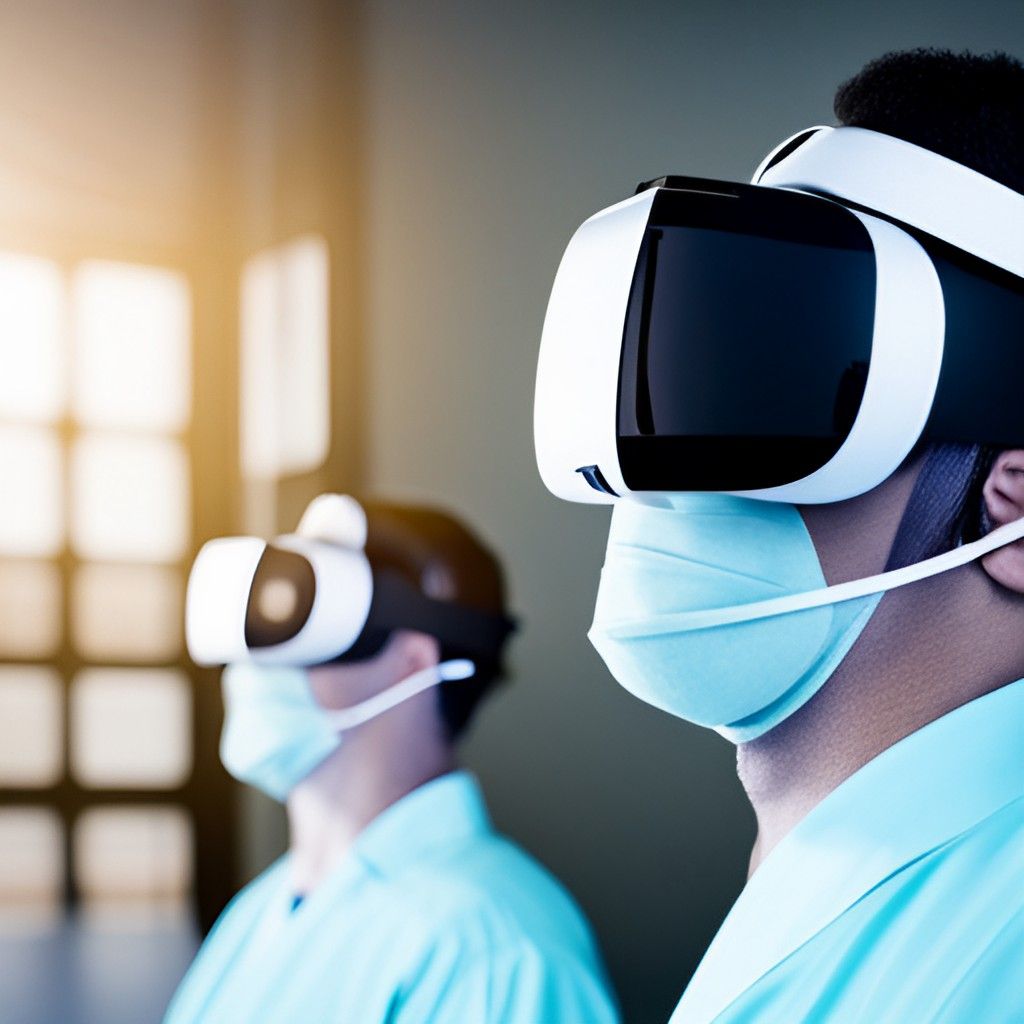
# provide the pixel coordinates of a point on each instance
(397, 900)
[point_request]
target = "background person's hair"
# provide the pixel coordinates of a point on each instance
(970, 108)
(441, 556)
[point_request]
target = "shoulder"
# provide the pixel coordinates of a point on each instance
(491, 895)
(249, 902)
(507, 976)
(231, 933)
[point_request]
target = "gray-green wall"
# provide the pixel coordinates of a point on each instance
(492, 130)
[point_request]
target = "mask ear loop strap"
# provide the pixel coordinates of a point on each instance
(358, 714)
(705, 618)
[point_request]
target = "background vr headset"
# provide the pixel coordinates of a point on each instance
(314, 596)
(791, 342)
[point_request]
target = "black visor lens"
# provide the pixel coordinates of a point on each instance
(747, 339)
(280, 599)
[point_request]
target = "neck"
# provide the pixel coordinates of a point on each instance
(368, 773)
(922, 655)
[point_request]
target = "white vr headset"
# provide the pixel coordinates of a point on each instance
(789, 340)
(315, 596)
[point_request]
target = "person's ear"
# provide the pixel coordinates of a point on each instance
(340, 685)
(412, 651)
(1003, 495)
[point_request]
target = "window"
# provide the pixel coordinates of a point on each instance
(130, 727)
(126, 612)
(30, 596)
(133, 858)
(32, 353)
(285, 407)
(31, 726)
(95, 537)
(131, 327)
(31, 865)
(129, 498)
(32, 512)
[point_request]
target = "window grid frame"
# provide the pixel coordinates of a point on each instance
(197, 795)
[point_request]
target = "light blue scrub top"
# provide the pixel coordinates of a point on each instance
(899, 898)
(432, 916)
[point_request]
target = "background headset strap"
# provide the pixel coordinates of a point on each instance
(397, 604)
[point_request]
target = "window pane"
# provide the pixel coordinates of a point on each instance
(31, 863)
(31, 726)
(285, 370)
(30, 612)
(131, 855)
(130, 727)
(31, 512)
(130, 498)
(31, 353)
(127, 612)
(131, 329)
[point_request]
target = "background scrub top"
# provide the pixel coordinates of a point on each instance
(431, 917)
(899, 898)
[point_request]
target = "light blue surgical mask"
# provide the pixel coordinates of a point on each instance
(669, 571)
(275, 733)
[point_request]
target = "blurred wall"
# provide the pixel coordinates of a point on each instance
(102, 122)
(492, 130)
(290, 163)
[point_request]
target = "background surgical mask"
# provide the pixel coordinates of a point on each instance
(275, 733)
(708, 552)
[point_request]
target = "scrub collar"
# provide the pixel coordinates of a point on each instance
(913, 798)
(435, 819)
(437, 815)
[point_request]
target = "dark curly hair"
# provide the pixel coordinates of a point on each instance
(964, 106)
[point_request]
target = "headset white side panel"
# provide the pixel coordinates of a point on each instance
(578, 366)
(217, 598)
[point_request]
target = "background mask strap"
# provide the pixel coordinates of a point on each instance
(399, 693)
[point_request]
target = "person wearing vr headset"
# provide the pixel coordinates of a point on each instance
(358, 650)
(803, 397)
